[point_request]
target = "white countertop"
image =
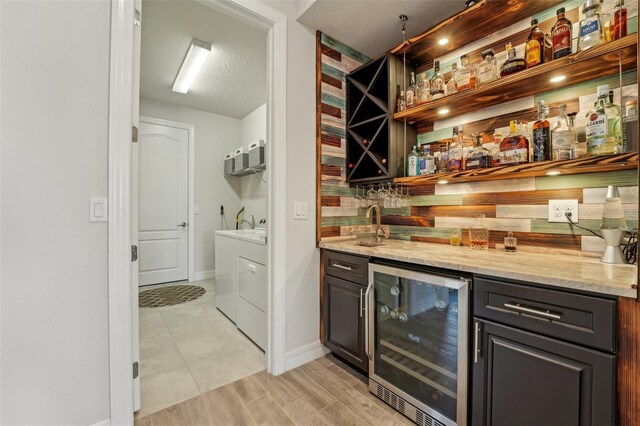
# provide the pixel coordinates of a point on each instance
(256, 236)
(579, 271)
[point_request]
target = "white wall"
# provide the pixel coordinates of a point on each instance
(253, 189)
(303, 258)
(54, 112)
(215, 136)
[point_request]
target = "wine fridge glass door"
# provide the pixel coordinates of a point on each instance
(418, 338)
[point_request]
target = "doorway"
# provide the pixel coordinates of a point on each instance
(123, 119)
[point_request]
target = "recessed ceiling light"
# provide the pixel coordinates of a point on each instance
(443, 111)
(191, 65)
(443, 41)
(554, 173)
(443, 182)
(558, 78)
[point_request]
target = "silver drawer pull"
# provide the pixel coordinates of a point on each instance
(339, 266)
(522, 308)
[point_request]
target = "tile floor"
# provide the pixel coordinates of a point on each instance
(324, 393)
(188, 349)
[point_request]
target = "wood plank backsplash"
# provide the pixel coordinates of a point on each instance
(435, 211)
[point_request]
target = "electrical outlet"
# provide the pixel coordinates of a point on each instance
(558, 209)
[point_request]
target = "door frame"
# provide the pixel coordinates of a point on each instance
(191, 179)
(121, 84)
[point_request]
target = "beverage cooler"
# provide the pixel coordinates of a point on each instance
(417, 341)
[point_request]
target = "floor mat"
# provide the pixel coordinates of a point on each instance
(169, 296)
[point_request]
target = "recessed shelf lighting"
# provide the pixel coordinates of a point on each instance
(443, 41)
(558, 78)
(554, 173)
(443, 182)
(443, 111)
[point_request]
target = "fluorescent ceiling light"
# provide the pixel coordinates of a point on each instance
(193, 61)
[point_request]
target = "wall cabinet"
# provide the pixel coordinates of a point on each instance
(343, 305)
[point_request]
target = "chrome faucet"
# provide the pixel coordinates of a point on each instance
(251, 224)
(380, 233)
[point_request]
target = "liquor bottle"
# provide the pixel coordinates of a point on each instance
(512, 64)
(451, 84)
(534, 49)
(630, 126)
(456, 151)
(561, 35)
(488, 68)
(437, 83)
(619, 21)
(604, 134)
(563, 137)
(423, 89)
(413, 163)
(480, 157)
(465, 76)
(591, 30)
(478, 233)
(410, 93)
(427, 162)
(607, 23)
(514, 149)
(542, 135)
(403, 104)
(442, 162)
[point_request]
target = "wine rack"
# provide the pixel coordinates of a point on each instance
(375, 142)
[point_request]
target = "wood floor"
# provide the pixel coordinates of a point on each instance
(323, 392)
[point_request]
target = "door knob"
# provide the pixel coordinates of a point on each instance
(183, 224)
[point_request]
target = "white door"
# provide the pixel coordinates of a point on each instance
(164, 189)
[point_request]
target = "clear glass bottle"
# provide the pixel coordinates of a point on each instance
(413, 163)
(591, 30)
(542, 135)
(410, 93)
(437, 83)
(534, 49)
(561, 35)
(488, 68)
(402, 102)
(451, 84)
(514, 149)
(456, 151)
(512, 64)
(478, 233)
(480, 157)
(423, 89)
(510, 243)
(619, 21)
(630, 126)
(465, 76)
(442, 162)
(427, 162)
(604, 131)
(563, 137)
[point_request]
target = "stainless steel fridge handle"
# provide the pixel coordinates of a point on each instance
(366, 320)
(476, 342)
(525, 309)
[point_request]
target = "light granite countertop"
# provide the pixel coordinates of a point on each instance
(577, 271)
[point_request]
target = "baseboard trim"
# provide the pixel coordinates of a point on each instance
(304, 354)
(105, 422)
(204, 275)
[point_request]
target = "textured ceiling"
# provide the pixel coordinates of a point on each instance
(372, 27)
(233, 80)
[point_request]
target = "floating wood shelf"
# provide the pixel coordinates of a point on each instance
(468, 26)
(596, 62)
(607, 163)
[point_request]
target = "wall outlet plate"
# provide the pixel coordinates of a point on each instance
(558, 208)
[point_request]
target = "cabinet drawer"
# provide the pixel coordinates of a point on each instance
(581, 319)
(347, 267)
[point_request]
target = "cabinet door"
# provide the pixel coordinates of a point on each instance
(344, 320)
(524, 379)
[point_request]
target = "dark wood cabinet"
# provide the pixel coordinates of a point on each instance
(376, 146)
(524, 379)
(344, 320)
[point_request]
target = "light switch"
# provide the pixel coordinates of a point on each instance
(98, 211)
(299, 210)
(196, 209)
